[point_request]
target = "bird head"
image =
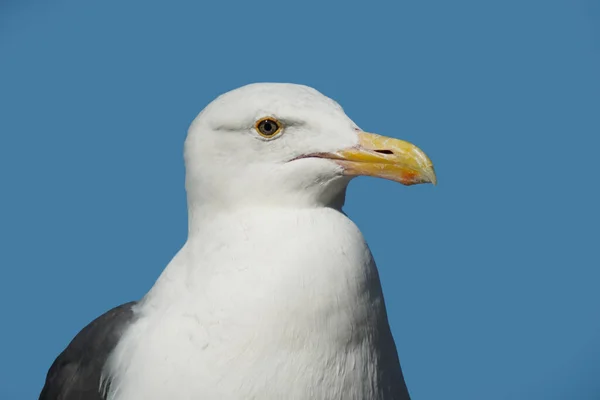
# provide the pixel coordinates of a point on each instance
(280, 145)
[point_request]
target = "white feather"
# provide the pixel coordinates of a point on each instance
(275, 295)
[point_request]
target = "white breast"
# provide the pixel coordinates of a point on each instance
(279, 304)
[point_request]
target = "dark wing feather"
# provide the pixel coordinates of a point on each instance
(75, 374)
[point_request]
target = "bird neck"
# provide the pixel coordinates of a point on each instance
(208, 204)
(278, 260)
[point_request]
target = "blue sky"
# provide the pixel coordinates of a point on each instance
(491, 278)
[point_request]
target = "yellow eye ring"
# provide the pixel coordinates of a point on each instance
(268, 127)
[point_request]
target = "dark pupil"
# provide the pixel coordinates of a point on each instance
(267, 127)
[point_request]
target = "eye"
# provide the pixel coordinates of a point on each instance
(268, 127)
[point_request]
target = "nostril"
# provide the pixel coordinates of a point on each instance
(384, 151)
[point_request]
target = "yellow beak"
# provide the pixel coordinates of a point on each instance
(387, 158)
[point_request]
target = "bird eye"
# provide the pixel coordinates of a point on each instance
(268, 127)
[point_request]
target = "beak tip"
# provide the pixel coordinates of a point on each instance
(427, 174)
(432, 177)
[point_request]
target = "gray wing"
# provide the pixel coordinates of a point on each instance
(75, 374)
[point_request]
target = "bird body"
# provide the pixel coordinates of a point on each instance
(275, 294)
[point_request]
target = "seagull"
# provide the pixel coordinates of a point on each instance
(275, 294)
